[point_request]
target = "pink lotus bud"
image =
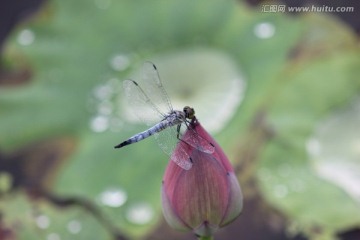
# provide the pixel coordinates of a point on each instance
(204, 198)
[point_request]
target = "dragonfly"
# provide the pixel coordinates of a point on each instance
(151, 104)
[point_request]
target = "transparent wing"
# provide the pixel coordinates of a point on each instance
(181, 158)
(151, 83)
(167, 140)
(192, 138)
(141, 104)
(147, 96)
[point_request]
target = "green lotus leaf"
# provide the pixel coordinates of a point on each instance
(80, 51)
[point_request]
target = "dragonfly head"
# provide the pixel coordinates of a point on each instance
(189, 112)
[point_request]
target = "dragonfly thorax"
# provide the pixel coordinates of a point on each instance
(175, 117)
(178, 117)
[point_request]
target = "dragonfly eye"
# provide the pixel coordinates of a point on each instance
(189, 112)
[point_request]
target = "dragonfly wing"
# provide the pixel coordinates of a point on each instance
(195, 140)
(150, 81)
(141, 104)
(167, 140)
(181, 157)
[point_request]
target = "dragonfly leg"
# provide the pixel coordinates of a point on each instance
(178, 131)
(178, 134)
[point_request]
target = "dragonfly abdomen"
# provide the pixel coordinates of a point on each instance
(145, 134)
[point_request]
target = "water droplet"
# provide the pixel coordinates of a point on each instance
(113, 197)
(42, 221)
(280, 191)
(74, 226)
(102, 4)
(104, 103)
(26, 37)
(105, 108)
(103, 92)
(120, 62)
(313, 147)
(53, 236)
(99, 123)
(264, 30)
(140, 213)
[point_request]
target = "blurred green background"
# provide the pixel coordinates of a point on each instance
(279, 92)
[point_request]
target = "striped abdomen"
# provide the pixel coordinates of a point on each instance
(147, 133)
